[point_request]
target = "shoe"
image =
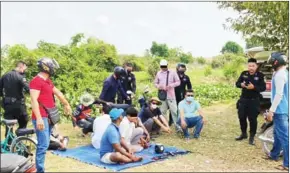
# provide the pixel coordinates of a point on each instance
(252, 140)
(241, 137)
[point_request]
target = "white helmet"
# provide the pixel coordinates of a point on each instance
(163, 62)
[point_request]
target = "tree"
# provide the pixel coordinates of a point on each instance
(250, 43)
(265, 22)
(159, 49)
(76, 39)
(232, 47)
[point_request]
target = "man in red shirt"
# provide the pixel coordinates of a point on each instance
(42, 92)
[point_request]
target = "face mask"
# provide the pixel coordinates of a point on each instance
(129, 71)
(189, 99)
(154, 106)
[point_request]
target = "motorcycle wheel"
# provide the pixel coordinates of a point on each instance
(267, 147)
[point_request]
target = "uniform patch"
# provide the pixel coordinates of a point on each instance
(256, 78)
(129, 78)
(184, 79)
(245, 76)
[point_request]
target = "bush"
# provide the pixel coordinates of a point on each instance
(137, 62)
(201, 60)
(222, 60)
(207, 71)
(233, 69)
(153, 68)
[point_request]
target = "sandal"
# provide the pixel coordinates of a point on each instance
(267, 157)
(282, 168)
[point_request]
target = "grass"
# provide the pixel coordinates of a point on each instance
(216, 150)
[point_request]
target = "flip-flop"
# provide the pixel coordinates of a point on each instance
(269, 158)
(282, 168)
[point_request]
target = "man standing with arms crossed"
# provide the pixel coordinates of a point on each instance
(279, 111)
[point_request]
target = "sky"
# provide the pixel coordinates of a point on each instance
(197, 27)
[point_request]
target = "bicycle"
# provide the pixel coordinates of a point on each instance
(22, 144)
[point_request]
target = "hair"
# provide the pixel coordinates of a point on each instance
(132, 112)
(20, 63)
(106, 109)
(189, 91)
(252, 60)
(128, 64)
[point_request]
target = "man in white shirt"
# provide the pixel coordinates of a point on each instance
(100, 125)
(132, 131)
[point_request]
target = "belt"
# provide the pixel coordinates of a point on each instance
(13, 99)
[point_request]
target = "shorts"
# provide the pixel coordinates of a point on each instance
(106, 159)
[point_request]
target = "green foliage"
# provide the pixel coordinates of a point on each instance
(232, 47)
(186, 58)
(207, 71)
(161, 50)
(250, 43)
(233, 69)
(222, 60)
(201, 60)
(263, 22)
(137, 62)
(153, 67)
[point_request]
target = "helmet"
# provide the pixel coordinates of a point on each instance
(159, 148)
(163, 62)
(180, 65)
(119, 71)
(47, 65)
(277, 59)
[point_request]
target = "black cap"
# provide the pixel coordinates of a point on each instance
(252, 60)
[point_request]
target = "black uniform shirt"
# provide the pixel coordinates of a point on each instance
(257, 80)
(128, 82)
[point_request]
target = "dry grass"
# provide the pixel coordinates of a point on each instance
(216, 150)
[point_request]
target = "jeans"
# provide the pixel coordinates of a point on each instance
(43, 138)
(191, 122)
(281, 140)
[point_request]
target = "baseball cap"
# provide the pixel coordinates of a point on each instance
(163, 62)
(115, 113)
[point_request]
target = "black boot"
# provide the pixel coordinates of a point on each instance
(252, 140)
(242, 136)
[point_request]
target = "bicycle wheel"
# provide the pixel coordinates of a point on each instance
(267, 147)
(24, 146)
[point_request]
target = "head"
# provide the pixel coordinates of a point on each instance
(118, 72)
(189, 95)
(129, 67)
(252, 65)
(132, 114)
(47, 65)
(164, 65)
(87, 99)
(116, 115)
(154, 103)
(21, 67)
(181, 68)
(277, 60)
(106, 109)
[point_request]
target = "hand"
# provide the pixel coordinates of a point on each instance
(168, 130)
(131, 151)
(40, 124)
(250, 86)
(109, 103)
(168, 87)
(76, 128)
(204, 120)
(128, 98)
(136, 159)
(148, 138)
(270, 116)
(67, 110)
(162, 87)
(243, 85)
(183, 124)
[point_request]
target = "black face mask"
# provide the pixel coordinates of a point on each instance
(164, 67)
(181, 72)
(129, 71)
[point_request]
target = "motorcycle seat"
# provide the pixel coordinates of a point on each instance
(9, 122)
(23, 131)
(10, 161)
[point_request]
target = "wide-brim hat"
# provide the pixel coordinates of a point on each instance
(156, 99)
(87, 99)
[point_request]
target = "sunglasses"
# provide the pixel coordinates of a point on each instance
(189, 95)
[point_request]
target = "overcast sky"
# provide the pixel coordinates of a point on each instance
(195, 26)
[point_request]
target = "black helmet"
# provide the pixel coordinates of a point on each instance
(119, 71)
(159, 148)
(180, 65)
(277, 59)
(47, 65)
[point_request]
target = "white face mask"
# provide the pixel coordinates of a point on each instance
(154, 106)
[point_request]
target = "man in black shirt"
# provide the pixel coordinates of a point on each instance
(128, 82)
(184, 82)
(252, 83)
(12, 85)
(152, 118)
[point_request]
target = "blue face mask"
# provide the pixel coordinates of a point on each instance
(189, 99)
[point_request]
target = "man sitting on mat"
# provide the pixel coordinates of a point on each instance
(132, 131)
(57, 141)
(111, 151)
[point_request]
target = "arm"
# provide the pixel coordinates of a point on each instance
(188, 84)
(105, 89)
(164, 127)
(240, 81)
(156, 82)
(76, 113)
(175, 79)
(99, 101)
(124, 144)
(121, 89)
(261, 86)
(119, 149)
(140, 124)
(34, 94)
(60, 96)
(280, 81)
(24, 83)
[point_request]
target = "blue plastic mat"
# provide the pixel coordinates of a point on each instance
(90, 155)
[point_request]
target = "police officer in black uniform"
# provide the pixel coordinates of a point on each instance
(252, 83)
(12, 85)
(128, 82)
(184, 82)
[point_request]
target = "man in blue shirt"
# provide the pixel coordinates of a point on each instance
(187, 115)
(279, 111)
(112, 84)
(111, 151)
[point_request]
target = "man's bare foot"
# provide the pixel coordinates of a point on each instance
(137, 159)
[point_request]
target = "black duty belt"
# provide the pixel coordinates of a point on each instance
(9, 100)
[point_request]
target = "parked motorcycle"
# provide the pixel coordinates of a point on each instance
(266, 135)
(15, 163)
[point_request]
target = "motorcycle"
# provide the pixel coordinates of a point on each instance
(266, 135)
(16, 163)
